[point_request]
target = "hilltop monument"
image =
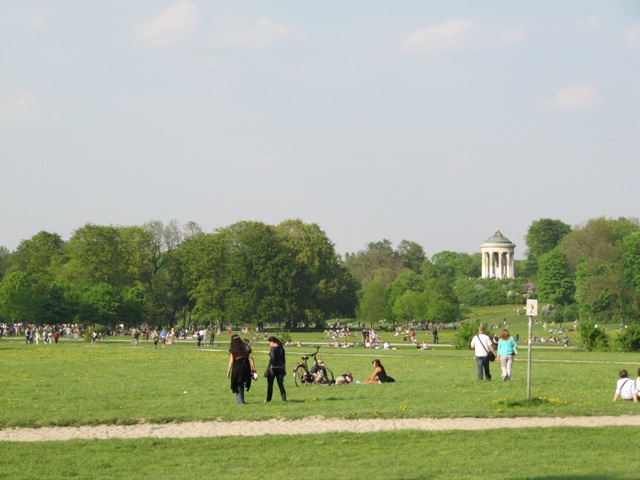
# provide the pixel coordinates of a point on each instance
(497, 256)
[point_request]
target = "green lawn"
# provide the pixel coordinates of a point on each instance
(553, 453)
(117, 383)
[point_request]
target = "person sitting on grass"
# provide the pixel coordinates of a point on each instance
(318, 371)
(626, 388)
(379, 374)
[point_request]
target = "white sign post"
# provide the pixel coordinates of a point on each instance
(532, 311)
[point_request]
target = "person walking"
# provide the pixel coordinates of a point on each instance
(163, 337)
(482, 345)
(240, 367)
(277, 368)
(506, 352)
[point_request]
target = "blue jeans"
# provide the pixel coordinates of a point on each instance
(483, 365)
(240, 393)
(279, 376)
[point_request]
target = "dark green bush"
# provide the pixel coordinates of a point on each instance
(629, 338)
(592, 338)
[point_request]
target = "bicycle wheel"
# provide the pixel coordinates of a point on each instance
(327, 378)
(301, 376)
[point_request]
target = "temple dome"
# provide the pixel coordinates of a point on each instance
(498, 237)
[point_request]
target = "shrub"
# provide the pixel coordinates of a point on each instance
(629, 338)
(466, 332)
(593, 338)
(284, 337)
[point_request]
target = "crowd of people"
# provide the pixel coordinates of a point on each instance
(242, 369)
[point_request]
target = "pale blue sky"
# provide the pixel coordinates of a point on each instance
(435, 122)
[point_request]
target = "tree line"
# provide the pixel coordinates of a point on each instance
(290, 275)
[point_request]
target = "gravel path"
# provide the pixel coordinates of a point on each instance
(295, 427)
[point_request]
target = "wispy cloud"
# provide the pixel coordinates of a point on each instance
(18, 110)
(39, 18)
(459, 34)
(232, 32)
(633, 36)
(574, 98)
(169, 26)
(591, 22)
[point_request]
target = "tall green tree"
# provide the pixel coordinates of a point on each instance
(100, 304)
(371, 308)
(407, 281)
(5, 261)
(17, 298)
(323, 287)
(259, 270)
(596, 253)
(204, 261)
(442, 302)
(632, 270)
(542, 237)
(378, 261)
(459, 264)
(96, 254)
(55, 306)
(38, 257)
(555, 283)
(409, 307)
(412, 255)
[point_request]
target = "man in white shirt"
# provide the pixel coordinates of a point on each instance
(482, 345)
(626, 388)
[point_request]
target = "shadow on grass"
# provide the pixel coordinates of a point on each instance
(576, 477)
(534, 402)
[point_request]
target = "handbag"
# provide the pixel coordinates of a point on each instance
(490, 355)
(269, 372)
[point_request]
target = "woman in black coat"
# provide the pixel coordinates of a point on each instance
(240, 367)
(277, 368)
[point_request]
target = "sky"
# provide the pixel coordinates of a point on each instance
(434, 122)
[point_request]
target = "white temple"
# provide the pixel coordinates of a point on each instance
(497, 257)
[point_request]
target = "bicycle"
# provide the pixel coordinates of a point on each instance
(319, 374)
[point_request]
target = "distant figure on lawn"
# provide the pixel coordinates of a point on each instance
(482, 345)
(379, 374)
(626, 388)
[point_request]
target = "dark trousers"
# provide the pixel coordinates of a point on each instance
(279, 376)
(483, 365)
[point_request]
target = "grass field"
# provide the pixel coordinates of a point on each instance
(544, 454)
(117, 383)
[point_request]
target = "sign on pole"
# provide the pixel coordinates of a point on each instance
(532, 311)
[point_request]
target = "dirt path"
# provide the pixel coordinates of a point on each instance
(294, 427)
